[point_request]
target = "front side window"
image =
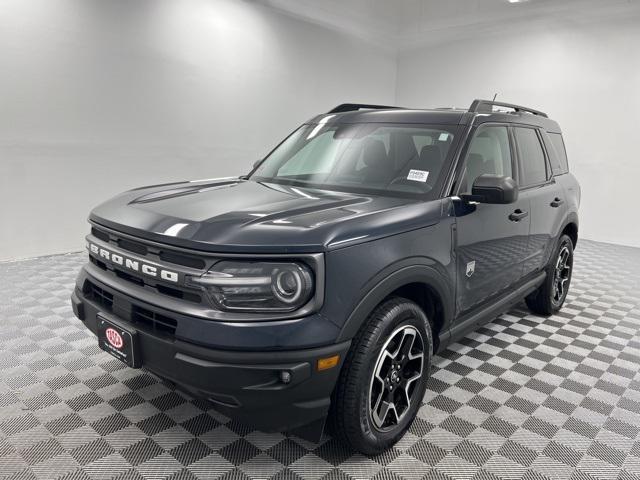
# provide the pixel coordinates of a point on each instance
(488, 152)
(532, 161)
(391, 158)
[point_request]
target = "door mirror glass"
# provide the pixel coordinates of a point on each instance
(490, 188)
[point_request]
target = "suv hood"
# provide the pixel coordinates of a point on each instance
(235, 215)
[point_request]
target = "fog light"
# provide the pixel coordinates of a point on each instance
(328, 362)
(285, 377)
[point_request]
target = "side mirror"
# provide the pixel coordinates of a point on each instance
(488, 188)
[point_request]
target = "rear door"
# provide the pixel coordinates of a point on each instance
(545, 196)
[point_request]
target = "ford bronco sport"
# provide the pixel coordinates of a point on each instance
(323, 282)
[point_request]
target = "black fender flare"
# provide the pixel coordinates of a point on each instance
(571, 217)
(386, 282)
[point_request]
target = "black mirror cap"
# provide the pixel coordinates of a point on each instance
(488, 188)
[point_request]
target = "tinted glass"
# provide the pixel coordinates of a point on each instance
(560, 154)
(489, 152)
(406, 159)
(534, 169)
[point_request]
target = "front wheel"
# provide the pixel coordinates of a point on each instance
(384, 377)
(550, 296)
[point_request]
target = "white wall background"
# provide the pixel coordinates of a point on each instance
(586, 76)
(100, 96)
(97, 97)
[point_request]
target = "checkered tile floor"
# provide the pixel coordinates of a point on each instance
(523, 397)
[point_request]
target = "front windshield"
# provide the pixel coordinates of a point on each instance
(392, 158)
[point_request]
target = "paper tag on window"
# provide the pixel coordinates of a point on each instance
(418, 175)
(443, 137)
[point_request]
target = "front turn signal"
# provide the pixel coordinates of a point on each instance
(328, 362)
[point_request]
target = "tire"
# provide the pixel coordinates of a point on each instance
(359, 398)
(550, 297)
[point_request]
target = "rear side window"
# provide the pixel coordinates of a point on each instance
(532, 162)
(560, 154)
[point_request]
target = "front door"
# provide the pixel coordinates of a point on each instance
(491, 240)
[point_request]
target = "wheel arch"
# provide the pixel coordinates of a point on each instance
(571, 229)
(420, 283)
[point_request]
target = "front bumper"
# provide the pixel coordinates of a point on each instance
(246, 385)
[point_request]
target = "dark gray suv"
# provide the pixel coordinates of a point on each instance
(323, 282)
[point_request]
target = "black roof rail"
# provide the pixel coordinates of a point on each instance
(349, 107)
(485, 106)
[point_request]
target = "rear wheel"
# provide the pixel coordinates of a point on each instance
(551, 295)
(384, 377)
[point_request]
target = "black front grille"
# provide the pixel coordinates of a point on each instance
(128, 277)
(156, 322)
(153, 254)
(104, 236)
(98, 263)
(163, 289)
(142, 249)
(142, 318)
(183, 294)
(186, 260)
(98, 295)
(134, 247)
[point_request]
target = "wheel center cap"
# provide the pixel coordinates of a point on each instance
(394, 376)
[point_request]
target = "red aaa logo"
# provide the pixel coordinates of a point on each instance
(114, 338)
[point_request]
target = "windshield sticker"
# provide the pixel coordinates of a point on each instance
(443, 137)
(418, 175)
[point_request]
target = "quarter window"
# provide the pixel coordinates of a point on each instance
(561, 153)
(533, 164)
(489, 152)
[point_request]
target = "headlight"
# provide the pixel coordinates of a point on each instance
(258, 286)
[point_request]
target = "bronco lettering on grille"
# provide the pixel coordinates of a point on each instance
(134, 265)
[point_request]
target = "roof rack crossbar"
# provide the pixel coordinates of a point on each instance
(349, 107)
(485, 106)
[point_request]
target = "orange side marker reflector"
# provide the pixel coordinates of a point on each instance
(327, 363)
